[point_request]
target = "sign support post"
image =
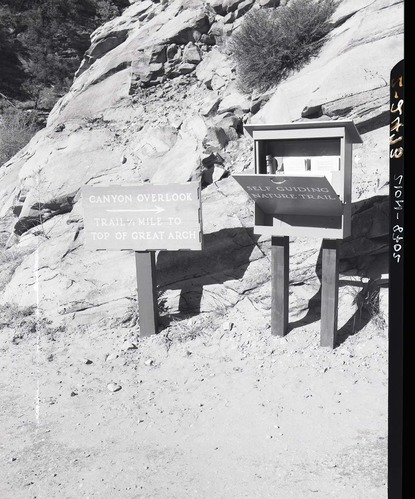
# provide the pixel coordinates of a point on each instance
(147, 292)
(279, 285)
(329, 292)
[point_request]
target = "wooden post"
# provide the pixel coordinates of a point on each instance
(329, 292)
(147, 292)
(279, 285)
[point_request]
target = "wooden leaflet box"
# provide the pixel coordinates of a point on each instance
(310, 194)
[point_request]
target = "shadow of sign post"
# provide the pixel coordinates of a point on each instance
(144, 218)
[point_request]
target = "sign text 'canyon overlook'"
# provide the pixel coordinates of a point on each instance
(143, 217)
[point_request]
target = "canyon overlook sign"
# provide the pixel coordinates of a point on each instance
(143, 217)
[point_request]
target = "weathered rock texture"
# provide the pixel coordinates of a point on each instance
(156, 99)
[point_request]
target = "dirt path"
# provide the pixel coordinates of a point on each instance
(227, 414)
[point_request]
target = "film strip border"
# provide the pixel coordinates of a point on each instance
(396, 280)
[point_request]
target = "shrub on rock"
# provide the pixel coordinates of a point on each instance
(271, 43)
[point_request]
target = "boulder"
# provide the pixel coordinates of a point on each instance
(232, 5)
(191, 54)
(172, 50)
(244, 7)
(216, 139)
(210, 159)
(231, 125)
(234, 101)
(185, 68)
(218, 6)
(210, 104)
(214, 67)
(39, 213)
(185, 155)
(213, 174)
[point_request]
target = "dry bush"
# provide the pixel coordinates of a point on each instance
(26, 323)
(16, 129)
(272, 43)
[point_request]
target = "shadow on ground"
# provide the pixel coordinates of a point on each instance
(226, 255)
(364, 253)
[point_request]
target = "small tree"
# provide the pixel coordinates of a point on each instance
(271, 43)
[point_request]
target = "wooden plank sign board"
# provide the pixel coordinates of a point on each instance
(143, 217)
(292, 194)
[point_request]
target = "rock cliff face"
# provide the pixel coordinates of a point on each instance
(156, 100)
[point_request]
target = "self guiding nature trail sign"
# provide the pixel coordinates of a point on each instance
(144, 218)
(302, 187)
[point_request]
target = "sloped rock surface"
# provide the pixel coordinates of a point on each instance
(347, 78)
(155, 100)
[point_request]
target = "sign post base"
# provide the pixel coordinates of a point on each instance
(329, 292)
(147, 292)
(279, 285)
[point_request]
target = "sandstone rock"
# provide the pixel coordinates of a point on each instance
(103, 45)
(232, 5)
(145, 68)
(210, 104)
(209, 159)
(218, 173)
(129, 345)
(269, 3)
(194, 126)
(171, 51)
(234, 101)
(371, 221)
(231, 125)
(114, 387)
(191, 54)
(328, 78)
(216, 139)
(258, 101)
(213, 174)
(185, 68)
(154, 141)
(99, 121)
(214, 64)
(244, 7)
(38, 213)
(230, 17)
(86, 361)
(207, 39)
(185, 156)
(180, 28)
(220, 30)
(111, 356)
(218, 6)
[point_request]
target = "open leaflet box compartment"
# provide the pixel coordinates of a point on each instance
(310, 195)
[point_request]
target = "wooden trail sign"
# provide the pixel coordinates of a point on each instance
(144, 218)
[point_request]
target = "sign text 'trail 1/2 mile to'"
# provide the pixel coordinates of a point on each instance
(143, 217)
